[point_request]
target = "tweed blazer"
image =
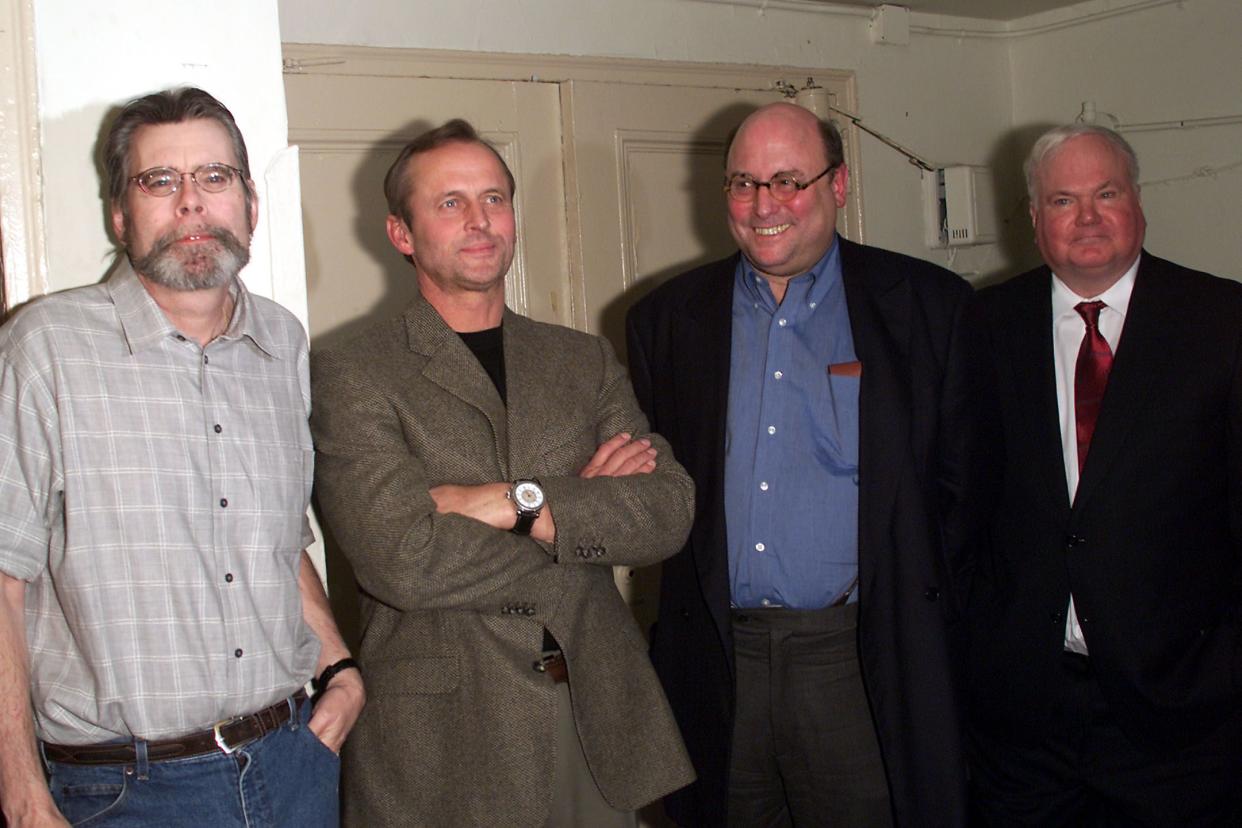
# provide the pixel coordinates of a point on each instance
(459, 728)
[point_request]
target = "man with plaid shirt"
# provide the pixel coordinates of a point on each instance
(158, 613)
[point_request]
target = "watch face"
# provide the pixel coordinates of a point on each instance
(528, 495)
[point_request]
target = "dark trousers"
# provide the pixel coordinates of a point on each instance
(1083, 771)
(804, 747)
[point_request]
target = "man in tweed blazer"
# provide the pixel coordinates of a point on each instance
(483, 473)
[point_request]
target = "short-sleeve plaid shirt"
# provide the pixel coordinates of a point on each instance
(153, 493)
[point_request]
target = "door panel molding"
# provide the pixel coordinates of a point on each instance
(21, 182)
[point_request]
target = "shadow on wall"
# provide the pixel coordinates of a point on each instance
(1016, 241)
(400, 287)
(370, 214)
(711, 232)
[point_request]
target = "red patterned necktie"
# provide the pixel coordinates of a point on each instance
(1095, 359)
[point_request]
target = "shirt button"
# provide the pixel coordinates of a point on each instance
(765, 602)
(759, 547)
(763, 486)
(813, 305)
(224, 503)
(217, 428)
(206, 359)
(237, 653)
(782, 322)
(778, 374)
(228, 577)
(771, 429)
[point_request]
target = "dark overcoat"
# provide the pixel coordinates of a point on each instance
(911, 331)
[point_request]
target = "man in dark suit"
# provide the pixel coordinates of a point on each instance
(816, 391)
(1105, 658)
(483, 473)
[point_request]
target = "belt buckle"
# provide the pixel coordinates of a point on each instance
(220, 742)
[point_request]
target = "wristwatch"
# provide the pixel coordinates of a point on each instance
(527, 496)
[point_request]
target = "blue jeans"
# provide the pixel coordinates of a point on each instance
(287, 778)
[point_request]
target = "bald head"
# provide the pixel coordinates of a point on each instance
(786, 238)
(793, 119)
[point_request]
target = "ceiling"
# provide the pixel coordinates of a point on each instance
(988, 9)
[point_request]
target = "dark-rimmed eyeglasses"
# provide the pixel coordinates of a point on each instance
(164, 181)
(783, 186)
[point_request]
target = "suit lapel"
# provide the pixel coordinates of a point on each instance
(1140, 353)
(535, 394)
(879, 305)
(452, 366)
(1027, 336)
(703, 339)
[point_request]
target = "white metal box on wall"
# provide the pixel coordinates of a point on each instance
(959, 206)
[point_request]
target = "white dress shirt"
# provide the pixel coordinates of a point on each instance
(1068, 330)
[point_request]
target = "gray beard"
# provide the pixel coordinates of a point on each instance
(206, 267)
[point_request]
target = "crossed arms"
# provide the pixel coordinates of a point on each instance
(407, 475)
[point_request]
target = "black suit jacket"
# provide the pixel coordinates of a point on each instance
(909, 323)
(1150, 545)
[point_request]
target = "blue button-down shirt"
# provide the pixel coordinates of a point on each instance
(791, 451)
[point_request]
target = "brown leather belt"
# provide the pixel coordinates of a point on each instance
(225, 737)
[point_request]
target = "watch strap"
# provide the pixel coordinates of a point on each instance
(525, 521)
(319, 685)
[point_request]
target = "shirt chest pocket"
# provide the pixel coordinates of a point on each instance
(277, 484)
(833, 414)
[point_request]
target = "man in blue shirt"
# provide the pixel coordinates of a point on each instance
(817, 391)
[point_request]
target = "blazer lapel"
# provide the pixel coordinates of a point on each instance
(1028, 338)
(879, 306)
(1140, 355)
(452, 366)
(704, 335)
(535, 395)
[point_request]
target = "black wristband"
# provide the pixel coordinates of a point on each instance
(321, 684)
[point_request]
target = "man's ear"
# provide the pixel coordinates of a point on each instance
(839, 181)
(254, 206)
(118, 223)
(399, 235)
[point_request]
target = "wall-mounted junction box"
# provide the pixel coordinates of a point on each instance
(958, 206)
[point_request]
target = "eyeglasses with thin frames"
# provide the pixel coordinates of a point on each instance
(162, 182)
(783, 186)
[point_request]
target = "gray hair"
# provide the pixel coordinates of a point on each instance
(1051, 142)
(168, 106)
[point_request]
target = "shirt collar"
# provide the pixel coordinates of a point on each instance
(823, 276)
(144, 324)
(1117, 297)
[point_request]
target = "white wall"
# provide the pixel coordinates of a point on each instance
(1169, 62)
(945, 97)
(92, 57)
